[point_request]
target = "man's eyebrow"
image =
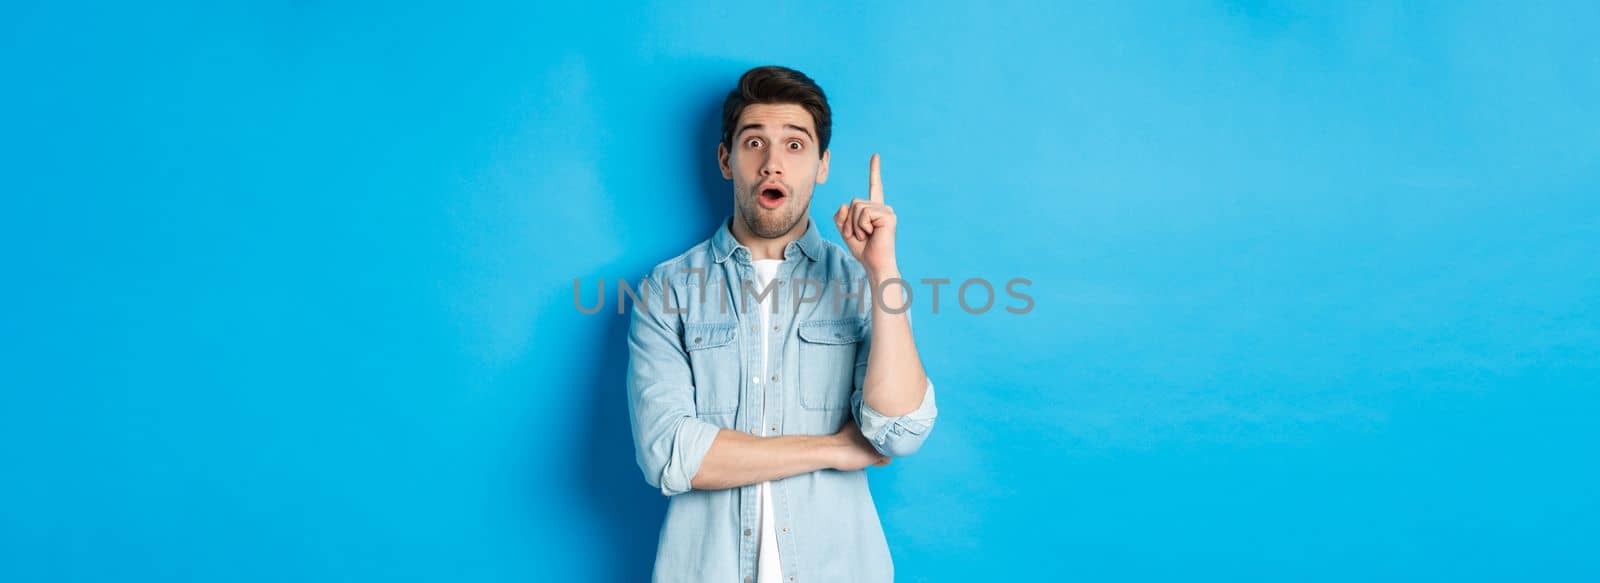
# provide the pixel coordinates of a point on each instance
(802, 130)
(752, 126)
(748, 126)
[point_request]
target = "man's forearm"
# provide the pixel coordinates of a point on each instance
(737, 458)
(895, 381)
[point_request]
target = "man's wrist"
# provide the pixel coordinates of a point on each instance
(882, 274)
(830, 449)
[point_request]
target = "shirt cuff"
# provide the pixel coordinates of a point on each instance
(689, 446)
(897, 436)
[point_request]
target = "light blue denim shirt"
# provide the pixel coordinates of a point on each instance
(694, 353)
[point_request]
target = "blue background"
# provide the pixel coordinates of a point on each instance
(289, 288)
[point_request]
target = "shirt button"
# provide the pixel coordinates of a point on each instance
(773, 429)
(747, 532)
(756, 380)
(774, 327)
(785, 530)
(774, 378)
(752, 328)
(746, 579)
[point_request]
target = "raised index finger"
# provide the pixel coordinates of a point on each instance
(874, 182)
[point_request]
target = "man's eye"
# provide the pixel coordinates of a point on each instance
(753, 142)
(796, 145)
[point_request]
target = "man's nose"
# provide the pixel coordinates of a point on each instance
(772, 166)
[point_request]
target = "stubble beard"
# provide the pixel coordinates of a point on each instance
(774, 223)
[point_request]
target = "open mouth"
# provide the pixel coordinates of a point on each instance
(772, 196)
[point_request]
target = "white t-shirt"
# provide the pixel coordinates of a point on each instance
(767, 568)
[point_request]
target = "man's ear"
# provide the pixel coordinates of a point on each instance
(822, 171)
(722, 161)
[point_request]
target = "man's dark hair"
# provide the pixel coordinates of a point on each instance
(773, 84)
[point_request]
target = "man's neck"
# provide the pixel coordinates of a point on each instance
(762, 247)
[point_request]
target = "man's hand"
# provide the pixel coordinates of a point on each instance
(867, 227)
(853, 450)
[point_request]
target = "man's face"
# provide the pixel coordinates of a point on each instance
(774, 165)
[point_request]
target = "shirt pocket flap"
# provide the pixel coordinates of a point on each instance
(702, 336)
(831, 331)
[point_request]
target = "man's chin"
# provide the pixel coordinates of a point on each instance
(773, 223)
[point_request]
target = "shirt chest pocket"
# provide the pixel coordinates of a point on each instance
(714, 361)
(828, 362)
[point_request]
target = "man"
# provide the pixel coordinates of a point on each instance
(765, 374)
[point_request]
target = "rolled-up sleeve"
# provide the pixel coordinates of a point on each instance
(669, 441)
(896, 436)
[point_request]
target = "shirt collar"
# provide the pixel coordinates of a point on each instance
(723, 244)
